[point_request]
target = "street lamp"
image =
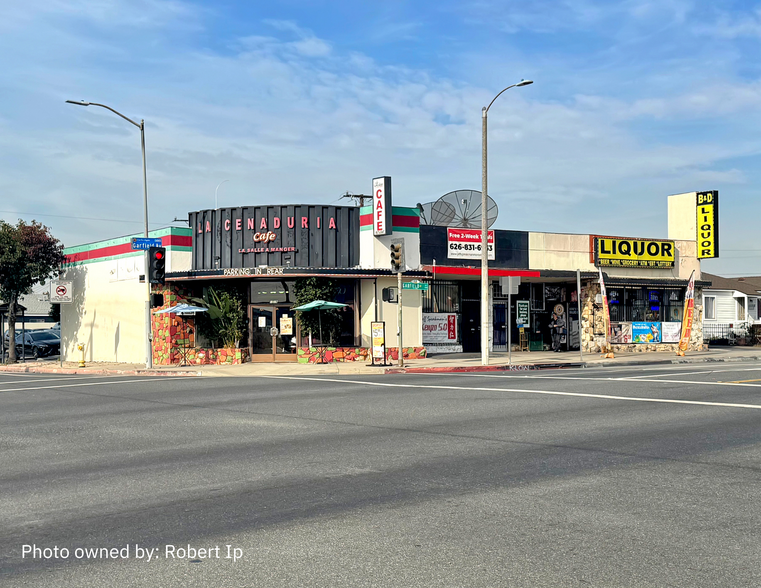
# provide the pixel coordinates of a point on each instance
(484, 233)
(215, 193)
(141, 126)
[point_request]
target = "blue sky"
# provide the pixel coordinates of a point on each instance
(296, 101)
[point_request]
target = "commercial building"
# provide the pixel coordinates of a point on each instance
(263, 251)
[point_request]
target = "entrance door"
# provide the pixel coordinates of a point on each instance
(264, 345)
(471, 326)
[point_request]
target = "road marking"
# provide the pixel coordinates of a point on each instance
(59, 379)
(740, 381)
(524, 391)
(80, 384)
(630, 379)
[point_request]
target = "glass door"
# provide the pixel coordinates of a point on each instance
(268, 344)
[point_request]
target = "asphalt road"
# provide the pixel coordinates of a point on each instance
(598, 477)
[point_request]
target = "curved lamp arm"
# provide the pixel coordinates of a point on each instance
(521, 83)
(83, 103)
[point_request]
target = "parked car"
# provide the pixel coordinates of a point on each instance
(41, 343)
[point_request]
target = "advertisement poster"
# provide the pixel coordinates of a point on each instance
(671, 332)
(646, 332)
(286, 325)
(379, 340)
(439, 327)
(466, 244)
(522, 311)
(620, 333)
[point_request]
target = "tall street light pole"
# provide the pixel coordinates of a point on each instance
(141, 126)
(485, 232)
(215, 193)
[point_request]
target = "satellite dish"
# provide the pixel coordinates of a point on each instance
(462, 208)
(425, 212)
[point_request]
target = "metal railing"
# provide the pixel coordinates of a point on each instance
(740, 333)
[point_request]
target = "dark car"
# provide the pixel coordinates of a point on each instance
(38, 344)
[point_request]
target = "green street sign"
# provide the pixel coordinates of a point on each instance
(414, 285)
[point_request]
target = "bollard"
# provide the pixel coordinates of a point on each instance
(81, 347)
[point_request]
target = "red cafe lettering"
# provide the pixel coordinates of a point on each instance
(263, 229)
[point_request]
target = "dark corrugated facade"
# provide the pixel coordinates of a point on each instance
(291, 235)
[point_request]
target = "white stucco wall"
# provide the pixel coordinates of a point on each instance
(412, 314)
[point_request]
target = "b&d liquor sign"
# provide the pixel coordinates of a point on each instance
(299, 235)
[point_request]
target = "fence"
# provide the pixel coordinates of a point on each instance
(732, 334)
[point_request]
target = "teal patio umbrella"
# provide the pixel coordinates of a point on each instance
(318, 305)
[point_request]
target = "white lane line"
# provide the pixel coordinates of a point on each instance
(523, 391)
(59, 379)
(80, 384)
(663, 381)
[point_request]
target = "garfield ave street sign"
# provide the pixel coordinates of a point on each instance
(415, 286)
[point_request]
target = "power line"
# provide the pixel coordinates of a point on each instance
(110, 220)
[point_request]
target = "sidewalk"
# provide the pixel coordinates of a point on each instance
(442, 363)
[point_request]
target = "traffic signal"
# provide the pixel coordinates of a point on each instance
(156, 265)
(396, 257)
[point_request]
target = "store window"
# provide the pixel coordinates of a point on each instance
(628, 304)
(710, 307)
(442, 296)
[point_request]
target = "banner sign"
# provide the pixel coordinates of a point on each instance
(708, 224)
(620, 333)
(671, 332)
(689, 309)
(606, 309)
(382, 206)
(466, 243)
(439, 327)
(522, 311)
(379, 340)
(617, 252)
(646, 332)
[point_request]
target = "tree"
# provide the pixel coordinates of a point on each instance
(308, 290)
(28, 254)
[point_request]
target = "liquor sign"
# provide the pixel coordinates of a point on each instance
(616, 252)
(708, 224)
(378, 330)
(522, 313)
(439, 327)
(466, 243)
(60, 293)
(382, 206)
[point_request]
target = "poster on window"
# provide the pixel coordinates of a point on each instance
(439, 327)
(670, 332)
(646, 332)
(620, 333)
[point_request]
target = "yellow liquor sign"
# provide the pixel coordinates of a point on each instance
(639, 253)
(708, 224)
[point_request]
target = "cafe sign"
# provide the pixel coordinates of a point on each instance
(636, 253)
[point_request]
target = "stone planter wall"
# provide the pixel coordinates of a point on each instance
(332, 354)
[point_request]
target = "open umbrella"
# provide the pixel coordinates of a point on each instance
(318, 305)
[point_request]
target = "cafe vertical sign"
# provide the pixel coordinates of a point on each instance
(382, 206)
(708, 224)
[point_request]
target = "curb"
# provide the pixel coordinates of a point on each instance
(93, 372)
(484, 368)
(674, 361)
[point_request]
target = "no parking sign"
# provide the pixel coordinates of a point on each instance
(60, 292)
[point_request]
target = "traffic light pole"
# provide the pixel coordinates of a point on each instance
(148, 329)
(399, 303)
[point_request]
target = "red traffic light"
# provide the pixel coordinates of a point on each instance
(158, 255)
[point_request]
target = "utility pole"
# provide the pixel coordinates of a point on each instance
(359, 198)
